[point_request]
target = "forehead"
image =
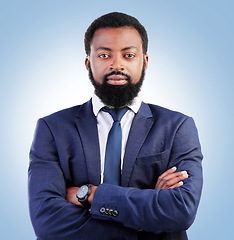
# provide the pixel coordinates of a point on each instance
(115, 38)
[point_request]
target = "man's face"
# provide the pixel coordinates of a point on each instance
(116, 63)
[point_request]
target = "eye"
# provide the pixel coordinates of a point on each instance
(129, 55)
(104, 55)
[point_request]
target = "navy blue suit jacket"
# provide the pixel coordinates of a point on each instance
(65, 152)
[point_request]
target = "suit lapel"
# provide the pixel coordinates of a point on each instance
(87, 127)
(140, 128)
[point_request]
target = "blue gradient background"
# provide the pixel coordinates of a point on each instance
(190, 70)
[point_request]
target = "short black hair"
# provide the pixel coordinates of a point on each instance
(115, 20)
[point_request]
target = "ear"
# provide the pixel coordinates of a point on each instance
(87, 62)
(146, 60)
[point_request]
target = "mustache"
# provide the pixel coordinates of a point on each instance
(117, 73)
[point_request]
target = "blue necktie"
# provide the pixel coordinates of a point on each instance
(112, 172)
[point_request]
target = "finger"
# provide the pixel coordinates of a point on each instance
(174, 179)
(166, 176)
(168, 172)
(159, 182)
(179, 184)
(170, 179)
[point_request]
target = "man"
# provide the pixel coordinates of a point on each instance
(152, 189)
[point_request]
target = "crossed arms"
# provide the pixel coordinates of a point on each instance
(169, 179)
(55, 212)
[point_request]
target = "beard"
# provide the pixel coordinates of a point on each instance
(117, 96)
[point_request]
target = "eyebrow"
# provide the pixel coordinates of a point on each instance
(103, 48)
(128, 48)
(108, 49)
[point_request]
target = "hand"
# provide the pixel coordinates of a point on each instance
(171, 179)
(71, 195)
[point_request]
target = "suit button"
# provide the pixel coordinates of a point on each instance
(102, 210)
(115, 213)
(111, 212)
(107, 211)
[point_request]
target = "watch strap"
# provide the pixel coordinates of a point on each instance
(85, 203)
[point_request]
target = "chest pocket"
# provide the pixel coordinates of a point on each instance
(148, 168)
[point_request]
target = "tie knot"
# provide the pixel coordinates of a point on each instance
(116, 113)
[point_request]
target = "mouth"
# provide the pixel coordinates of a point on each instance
(117, 79)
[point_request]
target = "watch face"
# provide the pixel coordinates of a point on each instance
(83, 190)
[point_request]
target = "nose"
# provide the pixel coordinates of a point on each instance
(116, 64)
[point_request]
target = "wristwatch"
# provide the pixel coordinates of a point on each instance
(82, 194)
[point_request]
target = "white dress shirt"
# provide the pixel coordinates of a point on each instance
(104, 124)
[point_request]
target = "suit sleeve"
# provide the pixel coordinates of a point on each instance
(170, 210)
(51, 215)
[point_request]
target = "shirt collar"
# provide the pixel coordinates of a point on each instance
(98, 104)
